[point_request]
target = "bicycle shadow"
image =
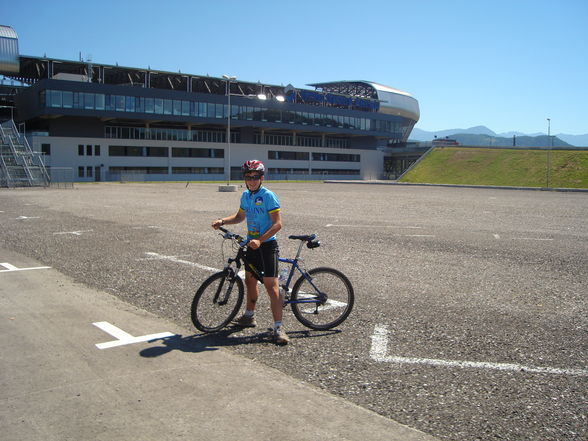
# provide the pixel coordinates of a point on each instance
(224, 338)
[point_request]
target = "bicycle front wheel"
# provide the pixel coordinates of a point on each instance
(324, 300)
(217, 301)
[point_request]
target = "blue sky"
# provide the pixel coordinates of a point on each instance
(505, 64)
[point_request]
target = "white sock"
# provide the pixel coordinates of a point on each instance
(249, 313)
(277, 325)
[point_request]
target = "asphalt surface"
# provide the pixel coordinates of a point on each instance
(77, 365)
(470, 320)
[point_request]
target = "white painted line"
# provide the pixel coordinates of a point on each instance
(531, 238)
(330, 304)
(379, 352)
(10, 267)
(76, 233)
(374, 226)
(156, 256)
(124, 338)
(28, 217)
(385, 226)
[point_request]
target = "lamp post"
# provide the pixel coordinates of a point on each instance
(548, 148)
(229, 79)
(228, 187)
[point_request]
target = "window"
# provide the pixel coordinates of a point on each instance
(80, 172)
(202, 110)
(140, 104)
(331, 171)
(335, 157)
(186, 108)
(119, 103)
(46, 149)
(88, 150)
(96, 150)
(67, 100)
(158, 106)
(99, 103)
(188, 170)
(167, 107)
(210, 111)
(184, 152)
(130, 104)
(54, 98)
(109, 102)
(88, 101)
(149, 105)
(139, 170)
(156, 151)
(80, 150)
(300, 156)
(177, 109)
(89, 172)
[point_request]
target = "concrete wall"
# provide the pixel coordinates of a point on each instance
(64, 153)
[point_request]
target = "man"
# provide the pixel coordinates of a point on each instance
(261, 208)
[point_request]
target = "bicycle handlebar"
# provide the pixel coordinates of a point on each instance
(230, 235)
(310, 239)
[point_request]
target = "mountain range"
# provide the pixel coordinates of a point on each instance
(482, 135)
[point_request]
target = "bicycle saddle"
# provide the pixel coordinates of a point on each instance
(306, 237)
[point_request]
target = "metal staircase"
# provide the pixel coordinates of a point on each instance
(20, 166)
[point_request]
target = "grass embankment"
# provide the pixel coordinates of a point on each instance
(502, 167)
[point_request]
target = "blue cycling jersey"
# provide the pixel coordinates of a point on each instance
(257, 207)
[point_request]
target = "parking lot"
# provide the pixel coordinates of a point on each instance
(470, 320)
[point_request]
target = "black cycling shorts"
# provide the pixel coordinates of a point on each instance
(265, 258)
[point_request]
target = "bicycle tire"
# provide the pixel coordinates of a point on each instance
(207, 314)
(337, 308)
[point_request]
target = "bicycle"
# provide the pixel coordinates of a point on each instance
(320, 299)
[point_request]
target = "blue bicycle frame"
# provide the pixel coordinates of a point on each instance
(293, 267)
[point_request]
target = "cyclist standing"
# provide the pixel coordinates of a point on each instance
(261, 208)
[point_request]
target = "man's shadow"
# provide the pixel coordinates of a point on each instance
(223, 338)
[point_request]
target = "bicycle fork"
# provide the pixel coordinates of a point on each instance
(219, 298)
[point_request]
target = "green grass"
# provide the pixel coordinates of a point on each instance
(502, 167)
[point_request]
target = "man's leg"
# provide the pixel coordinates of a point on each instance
(273, 291)
(247, 320)
(252, 291)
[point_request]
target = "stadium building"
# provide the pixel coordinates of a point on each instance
(105, 122)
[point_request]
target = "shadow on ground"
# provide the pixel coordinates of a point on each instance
(213, 341)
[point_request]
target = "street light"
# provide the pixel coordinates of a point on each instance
(229, 79)
(548, 148)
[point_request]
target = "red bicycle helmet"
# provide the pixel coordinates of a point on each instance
(253, 165)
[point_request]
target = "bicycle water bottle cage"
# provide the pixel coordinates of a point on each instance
(313, 244)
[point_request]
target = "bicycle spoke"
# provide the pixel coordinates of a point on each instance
(339, 293)
(217, 302)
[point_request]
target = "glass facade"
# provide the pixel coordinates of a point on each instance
(186, 108)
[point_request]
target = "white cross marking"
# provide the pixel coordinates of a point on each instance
(10, 267)
(124, 338)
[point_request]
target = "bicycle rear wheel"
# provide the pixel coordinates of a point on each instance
(328, 298)
(217, 301)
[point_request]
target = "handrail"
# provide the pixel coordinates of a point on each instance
(24, 156)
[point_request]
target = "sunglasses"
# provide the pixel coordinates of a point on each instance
(252, 177)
